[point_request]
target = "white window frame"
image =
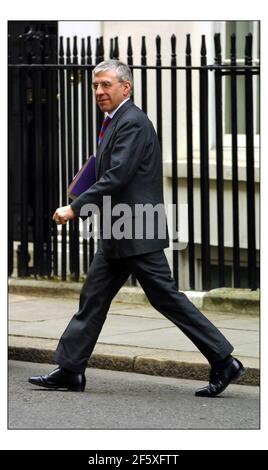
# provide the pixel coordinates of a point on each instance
(220, 27)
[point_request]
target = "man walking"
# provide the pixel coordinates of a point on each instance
(129, 171)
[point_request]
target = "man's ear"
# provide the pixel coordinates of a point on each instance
(127, 88)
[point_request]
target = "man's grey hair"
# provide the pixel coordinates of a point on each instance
(122, 70)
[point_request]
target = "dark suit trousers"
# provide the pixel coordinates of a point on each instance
(104, 279)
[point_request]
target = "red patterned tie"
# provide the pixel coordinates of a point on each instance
(104, 126)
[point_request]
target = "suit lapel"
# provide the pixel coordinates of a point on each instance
(108, 134)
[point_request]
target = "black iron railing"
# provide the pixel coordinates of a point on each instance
(53, 128)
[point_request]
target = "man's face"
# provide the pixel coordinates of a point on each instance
(109, 91)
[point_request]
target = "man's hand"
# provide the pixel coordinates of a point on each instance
(63, 214)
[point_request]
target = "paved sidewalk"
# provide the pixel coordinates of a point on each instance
(134, 338)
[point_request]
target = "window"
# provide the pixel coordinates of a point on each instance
(241, 29)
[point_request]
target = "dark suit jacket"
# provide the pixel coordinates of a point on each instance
(129, 169)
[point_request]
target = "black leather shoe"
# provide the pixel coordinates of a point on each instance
(220, 379)
(59, 379)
